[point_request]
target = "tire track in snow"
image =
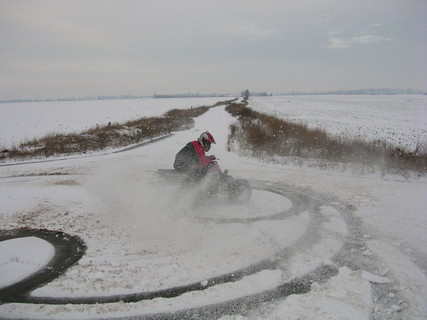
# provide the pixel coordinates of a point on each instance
(68, 253)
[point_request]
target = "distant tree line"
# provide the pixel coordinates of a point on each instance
(127, 96)
(245, 93)
(358, 92)
(194, 95)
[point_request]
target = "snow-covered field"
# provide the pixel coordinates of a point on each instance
(399, 120)
(28, 120)
(311, 244)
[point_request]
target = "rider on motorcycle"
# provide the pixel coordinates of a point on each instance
(192, 159)
(195, 164)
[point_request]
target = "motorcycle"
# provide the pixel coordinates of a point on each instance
(213, 182)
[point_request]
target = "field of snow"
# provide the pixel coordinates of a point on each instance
(310, 244)
(28, 120)
(399, 120)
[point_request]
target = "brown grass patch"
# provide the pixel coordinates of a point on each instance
(68, 182)
(186, 113)
(262, 134)
(112, 135)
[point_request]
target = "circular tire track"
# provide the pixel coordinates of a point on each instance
(70, 249)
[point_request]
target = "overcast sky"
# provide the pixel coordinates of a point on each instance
(82, 48)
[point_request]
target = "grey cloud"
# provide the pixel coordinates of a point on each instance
(340, 43)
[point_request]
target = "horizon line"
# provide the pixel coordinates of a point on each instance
(377, 91)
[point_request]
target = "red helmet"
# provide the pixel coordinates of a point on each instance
(206, 139)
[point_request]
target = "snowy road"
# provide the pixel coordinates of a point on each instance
(309, 243)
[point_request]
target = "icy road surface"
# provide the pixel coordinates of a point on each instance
(310, 244)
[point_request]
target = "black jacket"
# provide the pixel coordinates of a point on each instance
(186, 158)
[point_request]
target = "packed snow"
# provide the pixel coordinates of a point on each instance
(358, 239)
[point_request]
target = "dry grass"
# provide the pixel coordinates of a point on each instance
(186, 113)
(262, 134)
(69, 182)
(98, 138)
(101, 137)
(255, 132)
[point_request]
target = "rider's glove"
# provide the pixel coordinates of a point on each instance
(212, 157)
